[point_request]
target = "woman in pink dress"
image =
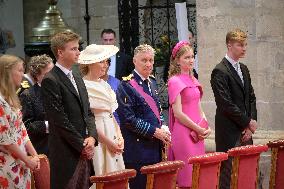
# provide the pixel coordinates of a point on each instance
(188, 123)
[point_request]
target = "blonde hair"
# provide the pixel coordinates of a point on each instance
(174, 66)
(7, 86)
(37, 63)
(236, 35)
(144, 48)
(60, 39)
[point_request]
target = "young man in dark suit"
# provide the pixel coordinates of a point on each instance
(72, 129)
(236, 114)
(121, 64)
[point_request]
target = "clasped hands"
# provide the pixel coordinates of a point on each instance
(203, 133)
(33, 163)
(116, 147)
(89, 147)
(163, 135)
(247, 133)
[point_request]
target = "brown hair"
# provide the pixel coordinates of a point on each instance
(236, 35)
(108, 31)
(7, 86)
(37, 63)
(59, 40)
(84, 69)
(174, 66)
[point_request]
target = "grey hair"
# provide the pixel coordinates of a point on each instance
(144, 48)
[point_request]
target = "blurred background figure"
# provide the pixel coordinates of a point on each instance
(27, 80)
(121, 64)
(113, 82)
(192, 41)
(15, 145)
(93, 65)
(32, 107)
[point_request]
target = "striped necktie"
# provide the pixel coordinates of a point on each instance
(70, 76)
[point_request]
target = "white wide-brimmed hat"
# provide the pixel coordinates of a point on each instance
(96, 53)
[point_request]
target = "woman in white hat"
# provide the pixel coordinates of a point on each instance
(93, 63)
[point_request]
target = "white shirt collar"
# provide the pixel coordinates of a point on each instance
(143, 78)
(29, 79)
(65, 70)
(233, 62)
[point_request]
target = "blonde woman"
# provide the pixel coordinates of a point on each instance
(93, 64)
(17, 154)
(188, 124)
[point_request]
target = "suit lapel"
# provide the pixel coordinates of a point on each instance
(233, 72)
(64, 79)
(80, 85)
(245, 77)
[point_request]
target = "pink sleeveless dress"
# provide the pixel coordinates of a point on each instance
(183, 146)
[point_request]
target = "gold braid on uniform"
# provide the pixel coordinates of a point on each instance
(127, 78)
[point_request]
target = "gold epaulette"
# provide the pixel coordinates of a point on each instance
(25, 84)
(127, 78)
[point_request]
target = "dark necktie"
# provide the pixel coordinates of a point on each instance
(146, 87)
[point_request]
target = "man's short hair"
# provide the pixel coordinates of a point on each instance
(144, 48)
(236, 35)
(60, 39)
(108, 31)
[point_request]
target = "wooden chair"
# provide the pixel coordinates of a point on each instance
(162, 175)
(277, 164)
(113, 180)
(42, 176)
(245, 166)
(206, 170)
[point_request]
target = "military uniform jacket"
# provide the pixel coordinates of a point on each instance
(138, 122)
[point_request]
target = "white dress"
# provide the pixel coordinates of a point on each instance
(102, 97)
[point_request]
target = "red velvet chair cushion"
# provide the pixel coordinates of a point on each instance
(42, 176)
(279, 177)
(165, 166)
(164, 173)
(114, 180)
(247, 150)
(209, 158)
(248, 164)
(276, 143)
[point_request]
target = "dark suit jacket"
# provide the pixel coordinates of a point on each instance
(236, 104)
(34, 118)
(138, 123)
(124, 65)
(70, 122)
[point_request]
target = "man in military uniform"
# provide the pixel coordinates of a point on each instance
(26, 83)
(139, 114)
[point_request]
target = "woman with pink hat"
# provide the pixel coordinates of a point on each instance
(187, 121)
